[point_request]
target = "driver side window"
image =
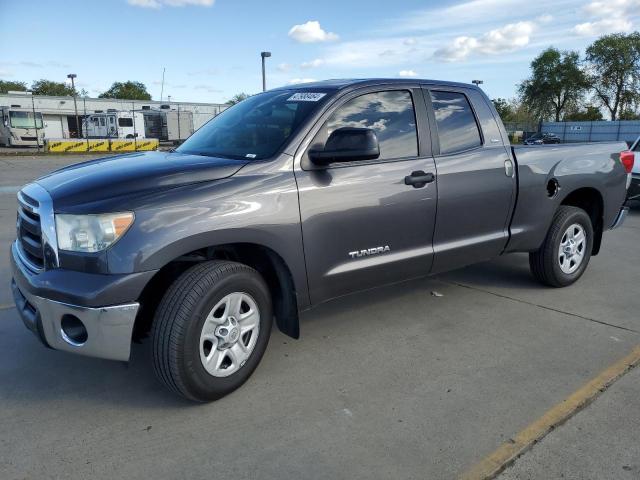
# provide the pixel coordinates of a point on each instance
(389, 114)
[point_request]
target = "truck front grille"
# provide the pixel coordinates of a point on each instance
(29, 139)
(29, 232)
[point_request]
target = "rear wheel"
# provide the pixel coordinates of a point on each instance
(211, 330)
(565, 253)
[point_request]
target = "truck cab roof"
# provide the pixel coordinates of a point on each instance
(348, 83)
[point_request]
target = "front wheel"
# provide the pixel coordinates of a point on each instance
(211, 329)
(565, 253)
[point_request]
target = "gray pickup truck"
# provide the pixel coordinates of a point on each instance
(291, 198)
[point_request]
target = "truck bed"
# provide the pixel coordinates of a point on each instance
(547, 174)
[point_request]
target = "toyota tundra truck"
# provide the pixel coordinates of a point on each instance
(289, 199)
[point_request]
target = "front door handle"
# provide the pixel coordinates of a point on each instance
(419, 179)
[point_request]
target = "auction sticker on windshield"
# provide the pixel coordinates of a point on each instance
(305, 97)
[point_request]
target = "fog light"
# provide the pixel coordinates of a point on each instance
(73, 330)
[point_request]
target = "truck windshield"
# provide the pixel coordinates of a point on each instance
(25, 120)
(255, 128)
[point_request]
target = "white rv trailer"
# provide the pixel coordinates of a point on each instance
(113, 124)
(19, 128)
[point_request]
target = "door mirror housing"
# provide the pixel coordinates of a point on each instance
(347, 144)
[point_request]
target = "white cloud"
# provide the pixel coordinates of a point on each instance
(608, 17)
(284, 67)
(505, 39)
(407, 73)
(5, 73)
(546, 18)
(170, 3)
(295, 81)
(409, 41)
(602, 27)
(313, 63)
(464, 13)
(311, 32)
(612, 8)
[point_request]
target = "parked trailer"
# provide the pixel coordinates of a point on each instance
(168, 125)
(18, 127)
(114, 124)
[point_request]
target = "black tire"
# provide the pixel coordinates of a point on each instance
(544, 262)
(179, 321)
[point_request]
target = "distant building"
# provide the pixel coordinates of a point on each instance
(59, 113)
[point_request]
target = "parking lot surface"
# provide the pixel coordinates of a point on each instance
(398, 382)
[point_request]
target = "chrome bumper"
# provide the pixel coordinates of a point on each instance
(622, 214)
(108, 329)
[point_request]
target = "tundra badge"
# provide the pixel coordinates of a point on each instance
(369, 251)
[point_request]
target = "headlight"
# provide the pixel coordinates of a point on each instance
(91, 233)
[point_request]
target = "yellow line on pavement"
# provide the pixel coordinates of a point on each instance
(6, 306)
(507, 453)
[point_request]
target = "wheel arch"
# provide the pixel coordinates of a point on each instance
(591, 201)
(263, 259)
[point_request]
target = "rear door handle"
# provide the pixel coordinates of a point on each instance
(419, 179)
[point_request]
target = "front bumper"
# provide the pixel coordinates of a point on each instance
(107, 329)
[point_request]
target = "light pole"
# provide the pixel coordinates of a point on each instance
(264, 55)
(477, 83)
(35, 121)
(75, 104)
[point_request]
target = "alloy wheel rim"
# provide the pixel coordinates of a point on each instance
(572, 248)
(229, 334)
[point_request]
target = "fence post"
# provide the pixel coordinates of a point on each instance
(590, 130)
(618, 134)
(179, 134)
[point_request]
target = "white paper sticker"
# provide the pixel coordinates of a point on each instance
(250, 155)
(305, 97)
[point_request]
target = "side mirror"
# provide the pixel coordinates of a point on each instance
(347, 144)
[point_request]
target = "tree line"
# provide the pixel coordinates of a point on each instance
(565, 86)
(129, 90)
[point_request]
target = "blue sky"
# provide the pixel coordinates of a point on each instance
(211, 48)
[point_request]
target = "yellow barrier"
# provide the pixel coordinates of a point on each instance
(66, 146)
(123, 145)
(79, 145)
(98, 145)
(145, 144)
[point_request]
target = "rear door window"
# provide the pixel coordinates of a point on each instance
(456, 122)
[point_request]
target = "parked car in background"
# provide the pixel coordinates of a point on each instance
(288, 199)
(542, 139)
(634, 187)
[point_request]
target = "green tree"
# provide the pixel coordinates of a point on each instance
(7, 85)
(127, 91)
(629, 115)
(48, 87)
(237, 98)
(589, 114)
(557, 83)
(504, 109)
(614, 67)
